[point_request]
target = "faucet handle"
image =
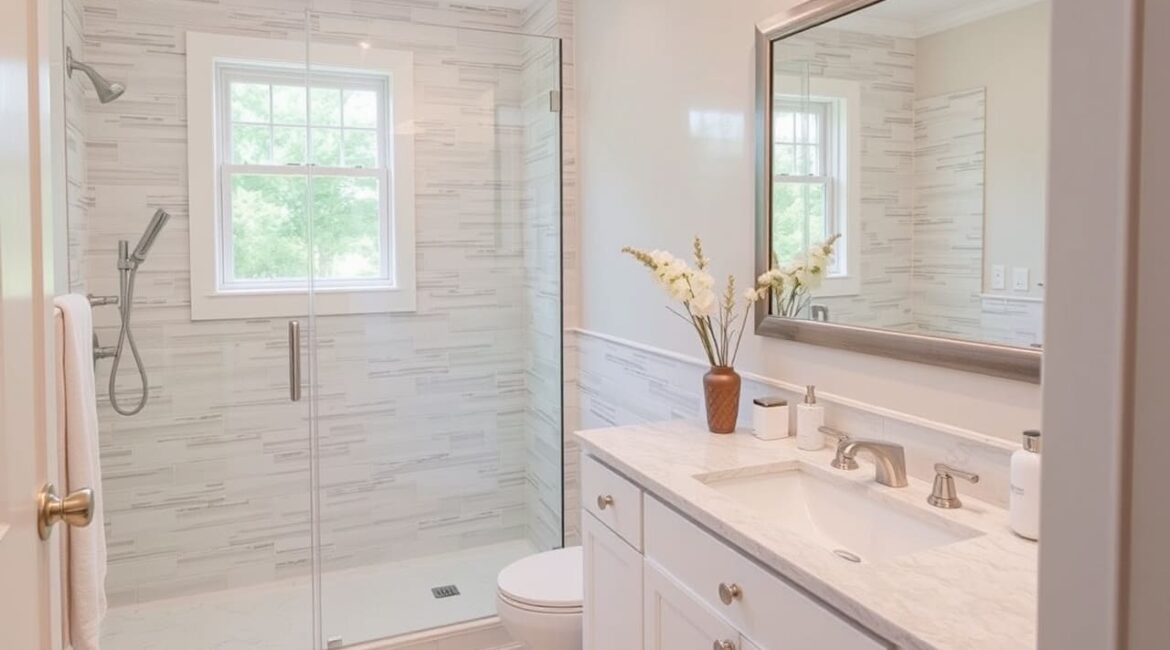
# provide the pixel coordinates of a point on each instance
(944, 494)
(841, 438)
(836, 434)
(970, 477)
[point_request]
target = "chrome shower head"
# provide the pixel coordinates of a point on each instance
(107, 90)
(152, 230)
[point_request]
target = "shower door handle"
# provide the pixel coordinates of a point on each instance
(294, 360)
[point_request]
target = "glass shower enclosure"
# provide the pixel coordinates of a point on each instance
(436, 422)
(351, 323)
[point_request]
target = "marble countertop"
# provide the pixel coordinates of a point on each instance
(978, 593)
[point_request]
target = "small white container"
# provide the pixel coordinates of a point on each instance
(810, 416)
(770, 418)
(1024, 499)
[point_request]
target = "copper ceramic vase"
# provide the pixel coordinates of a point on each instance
(721, 388)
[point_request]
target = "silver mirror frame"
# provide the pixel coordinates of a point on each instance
(1021, 364)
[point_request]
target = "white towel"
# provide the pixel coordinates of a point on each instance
(87, 546)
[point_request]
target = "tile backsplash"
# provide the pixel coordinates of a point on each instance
(622, 382)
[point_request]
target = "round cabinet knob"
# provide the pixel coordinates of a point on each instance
(729, 592)
(723, 645)
(604, 501)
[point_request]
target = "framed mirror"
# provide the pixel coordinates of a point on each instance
(901, 172)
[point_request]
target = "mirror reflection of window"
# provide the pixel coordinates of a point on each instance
(803, 184)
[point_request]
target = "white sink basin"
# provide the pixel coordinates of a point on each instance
(840, 515)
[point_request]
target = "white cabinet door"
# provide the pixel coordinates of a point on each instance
(676, 619)
(612, 617)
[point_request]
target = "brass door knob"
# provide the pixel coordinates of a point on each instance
(604, 502)
(729, 592)
(76, 509)
(723, 645)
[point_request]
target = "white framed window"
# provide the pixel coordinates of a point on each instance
(295, 173)
(816, 152)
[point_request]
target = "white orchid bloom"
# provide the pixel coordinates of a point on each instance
(703, 303)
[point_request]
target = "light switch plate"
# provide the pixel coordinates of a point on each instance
(1020, 278)
(998, 276)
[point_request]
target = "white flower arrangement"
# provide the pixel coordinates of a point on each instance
(791, 283)
(716, 319)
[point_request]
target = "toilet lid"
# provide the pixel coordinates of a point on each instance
(550, 579)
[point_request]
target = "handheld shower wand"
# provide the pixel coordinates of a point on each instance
(128, 263)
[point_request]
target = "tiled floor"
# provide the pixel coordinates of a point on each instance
(357, 605)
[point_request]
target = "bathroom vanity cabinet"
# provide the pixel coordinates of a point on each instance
(655, 580)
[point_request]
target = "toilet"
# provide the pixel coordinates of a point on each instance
(539, 599)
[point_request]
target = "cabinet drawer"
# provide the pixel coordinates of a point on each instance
(764, 607)
(613, 499)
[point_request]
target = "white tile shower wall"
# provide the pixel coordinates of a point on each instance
(883, 68)
(949, 155)
(208, 488)
(626, 383)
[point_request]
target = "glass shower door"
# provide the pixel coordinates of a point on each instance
(436, 332)
(206, 490)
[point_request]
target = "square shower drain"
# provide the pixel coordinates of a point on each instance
(445, 591)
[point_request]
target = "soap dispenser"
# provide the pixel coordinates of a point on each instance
(810, 416)
(1024, 500)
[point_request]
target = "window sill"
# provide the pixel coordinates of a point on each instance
(287, 303)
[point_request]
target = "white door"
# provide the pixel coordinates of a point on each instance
(675, 619)
(29, 609)
(612, 617)
(747, 644)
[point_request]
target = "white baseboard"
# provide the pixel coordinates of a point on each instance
(484, 634)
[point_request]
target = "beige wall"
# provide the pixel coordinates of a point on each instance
(1008, 55)
(1088, 349)
(648, 180)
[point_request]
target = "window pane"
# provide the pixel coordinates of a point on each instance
(268, 227)
(288, 104)
(346, 227)
(327, 147)
(811, 126)
(807, 160)
(288, 145)
(361, 148)
(784, 159)
(326, 108)
(783, 126)
(796, 208)
(361, 108)
(251, 145)
(249, 102)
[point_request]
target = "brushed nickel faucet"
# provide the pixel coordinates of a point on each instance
(889, 459)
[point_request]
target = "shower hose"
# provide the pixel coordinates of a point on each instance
(125, 303)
